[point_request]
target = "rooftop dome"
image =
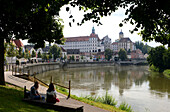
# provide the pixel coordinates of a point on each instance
(121, 32)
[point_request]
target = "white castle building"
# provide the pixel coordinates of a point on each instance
(90, 43)
(123, 43)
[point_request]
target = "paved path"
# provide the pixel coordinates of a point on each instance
(63, 101)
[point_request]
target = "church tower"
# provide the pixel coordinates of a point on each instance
(93, 30)
(121, 35)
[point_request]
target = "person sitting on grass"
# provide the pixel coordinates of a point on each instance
(34, 94)
(52, 94)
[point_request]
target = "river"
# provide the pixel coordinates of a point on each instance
(144, 91)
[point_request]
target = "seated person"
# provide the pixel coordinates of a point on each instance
(52, 94)
(34, 94)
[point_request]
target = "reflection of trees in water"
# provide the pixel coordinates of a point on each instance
(159, 85)
(93, 79)
(127, 75)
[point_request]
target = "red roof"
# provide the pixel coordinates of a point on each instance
(75, 39)
(114, 43)
(19, 43)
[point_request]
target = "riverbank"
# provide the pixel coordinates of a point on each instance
(167, 73)
(87, 108)
(11, 101)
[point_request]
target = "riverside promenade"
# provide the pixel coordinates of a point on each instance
(9, 78)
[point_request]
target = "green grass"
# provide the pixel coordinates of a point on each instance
(167, 73)
(126, 107)
(107, 99)
(11, 101)
(91, 101)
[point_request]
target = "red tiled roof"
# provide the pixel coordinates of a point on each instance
(19, 43)
(114, 43)
(81, 38)
(75, 39)
(125, 39)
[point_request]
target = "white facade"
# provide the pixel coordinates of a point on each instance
(90, 43)
(106, 41)
(123, 43)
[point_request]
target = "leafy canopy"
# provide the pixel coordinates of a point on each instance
(122, 55)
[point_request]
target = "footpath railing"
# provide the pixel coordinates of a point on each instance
(18, 71)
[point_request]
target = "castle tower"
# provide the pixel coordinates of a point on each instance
(93, 30)
(121, 35)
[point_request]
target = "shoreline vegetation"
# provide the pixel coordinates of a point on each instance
(10, 94)
(166, 72)
(106, 102)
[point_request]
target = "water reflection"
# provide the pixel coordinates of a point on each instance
(159, 85)
(134, 84)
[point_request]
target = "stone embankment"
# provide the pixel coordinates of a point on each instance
(43, 67)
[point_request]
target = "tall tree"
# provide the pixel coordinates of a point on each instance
(155, 58)
(39, 55)
(19, 52)
(33, 54)
(29, 19)
(122, 55)
(11, 51)
(27, 54)
(56, 51)
(108, 54)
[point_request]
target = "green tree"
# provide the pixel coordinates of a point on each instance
(19, 55)
(23, 54)
(56, 51)
(166, 59)
(44, 56)
(144, 48)
(11, 51)
(27, 54)
(108, 54)
(30, 19)
(72, 58)
(122, 55)
(33, 54)
(155, 58)
(39, 55)
(50, 56)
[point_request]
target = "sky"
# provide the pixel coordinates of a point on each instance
(110, 26)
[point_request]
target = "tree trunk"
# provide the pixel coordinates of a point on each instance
(2, 79)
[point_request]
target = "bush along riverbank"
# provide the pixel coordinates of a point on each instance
(167, 73)
(106, 102)
(159, 60)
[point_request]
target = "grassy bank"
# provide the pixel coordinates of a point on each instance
(11, 101)
(167, 73)
(107, 102)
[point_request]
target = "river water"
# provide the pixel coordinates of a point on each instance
(142, 90)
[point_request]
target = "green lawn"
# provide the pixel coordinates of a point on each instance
(11, 101)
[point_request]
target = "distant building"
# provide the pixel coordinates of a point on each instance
(106, 41)
(90, 43)
(73, 53)
(137, 54)
(123, 43)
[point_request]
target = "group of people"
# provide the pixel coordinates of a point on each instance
(51, 93)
